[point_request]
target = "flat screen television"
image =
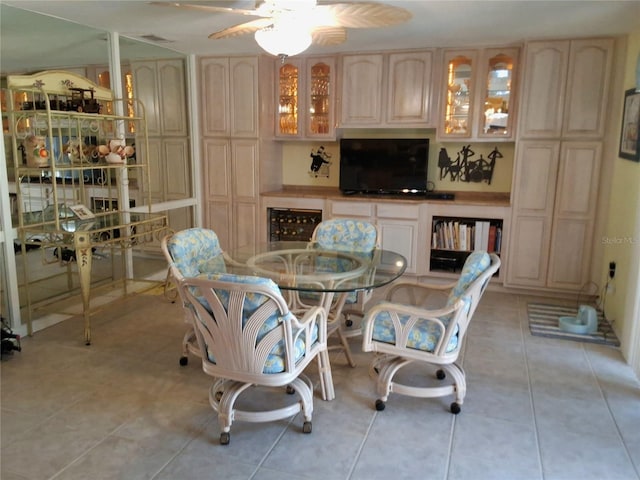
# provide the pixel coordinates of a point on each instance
(384, 166)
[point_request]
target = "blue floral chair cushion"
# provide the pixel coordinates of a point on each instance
(356, 237)
(253, 301)
(425, 334)
(346, 235)
(195, 251)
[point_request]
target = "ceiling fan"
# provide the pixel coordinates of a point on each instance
(288, 27)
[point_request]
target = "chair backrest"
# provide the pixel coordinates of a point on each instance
(243, 325)
(474, 278)
(343, 234)
(194, 251)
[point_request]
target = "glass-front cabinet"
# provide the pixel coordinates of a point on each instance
(478, 95)
(460, 71)
(287, 123)
(305, 92)
(497, 112)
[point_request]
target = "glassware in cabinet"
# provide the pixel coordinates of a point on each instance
(497, 117)
(459, 94)
(288, 89)
(320, 88)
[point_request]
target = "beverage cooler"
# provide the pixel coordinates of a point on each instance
(292, 224)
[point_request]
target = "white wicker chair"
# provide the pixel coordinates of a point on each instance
(353, 236)
(247, 336)
(404, 333)
(192, 251)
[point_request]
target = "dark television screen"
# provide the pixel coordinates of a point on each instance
(383, 165)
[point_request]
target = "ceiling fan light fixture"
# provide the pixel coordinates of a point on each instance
(280, 40)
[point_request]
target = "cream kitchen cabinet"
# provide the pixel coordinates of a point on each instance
(231, 180)
(229, 92)
(160, 86)
(239, 161)
(170, 174)
(477, 99)
(305, 93)
(398, 226)
(566, 88)
(387, 90)
(554, 206)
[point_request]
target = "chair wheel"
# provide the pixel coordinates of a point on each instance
(306, 427)
(455, 408)
(380, 405)
(184, 361)
(348, 323)
(440, 375)
(290, 390)
(225, 438)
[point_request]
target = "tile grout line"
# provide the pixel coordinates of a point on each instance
(522, 308)
(604, 397)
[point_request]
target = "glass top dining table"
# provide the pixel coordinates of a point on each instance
(298, 266)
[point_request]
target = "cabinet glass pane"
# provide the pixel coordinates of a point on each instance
(288, 99)
(458, 110)
(319, 98)
(498, 95)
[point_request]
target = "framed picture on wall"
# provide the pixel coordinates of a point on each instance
(629, 138)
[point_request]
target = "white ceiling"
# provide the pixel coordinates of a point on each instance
(30, 41)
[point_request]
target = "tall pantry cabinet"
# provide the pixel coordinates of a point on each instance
(160, 85)
(239, 158)
(558, 157)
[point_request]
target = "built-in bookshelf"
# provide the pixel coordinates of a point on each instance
(454, 238)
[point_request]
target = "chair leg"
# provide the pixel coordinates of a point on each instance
(346, 347)
(326, 377)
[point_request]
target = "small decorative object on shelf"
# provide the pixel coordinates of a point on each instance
(117, 151)
(34, 147)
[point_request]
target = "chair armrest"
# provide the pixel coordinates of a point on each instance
(402, 330)
(312, 316)
(417, 292)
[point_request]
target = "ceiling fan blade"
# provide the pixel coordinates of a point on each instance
(242, 29)
(326, 36)
(365, 14)
(208, 8)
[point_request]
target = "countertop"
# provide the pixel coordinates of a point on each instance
(461, 198)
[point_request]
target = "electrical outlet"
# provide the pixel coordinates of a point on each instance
(612, 269)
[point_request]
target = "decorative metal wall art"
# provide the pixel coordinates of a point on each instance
(463, 169)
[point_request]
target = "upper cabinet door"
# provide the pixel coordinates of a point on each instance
(587, 87)
(214, 92)
(410, 81)
(496, 95)
(229, 93)
(459, 93)
(243, 99)
(160, 86)
(289, 95)
(544, 88)
(173, 103)
(362, 87)
(145, 87)
(320, 86)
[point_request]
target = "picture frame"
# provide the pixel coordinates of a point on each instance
(630, 131)
(82, 212)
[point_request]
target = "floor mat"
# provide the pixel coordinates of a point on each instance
(543, 322)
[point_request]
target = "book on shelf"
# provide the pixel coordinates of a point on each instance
(491, 239)
(463, 238)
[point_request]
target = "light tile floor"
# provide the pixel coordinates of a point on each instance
(123, 408)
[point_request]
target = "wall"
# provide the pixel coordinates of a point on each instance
(620, 242)
(296, 161)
